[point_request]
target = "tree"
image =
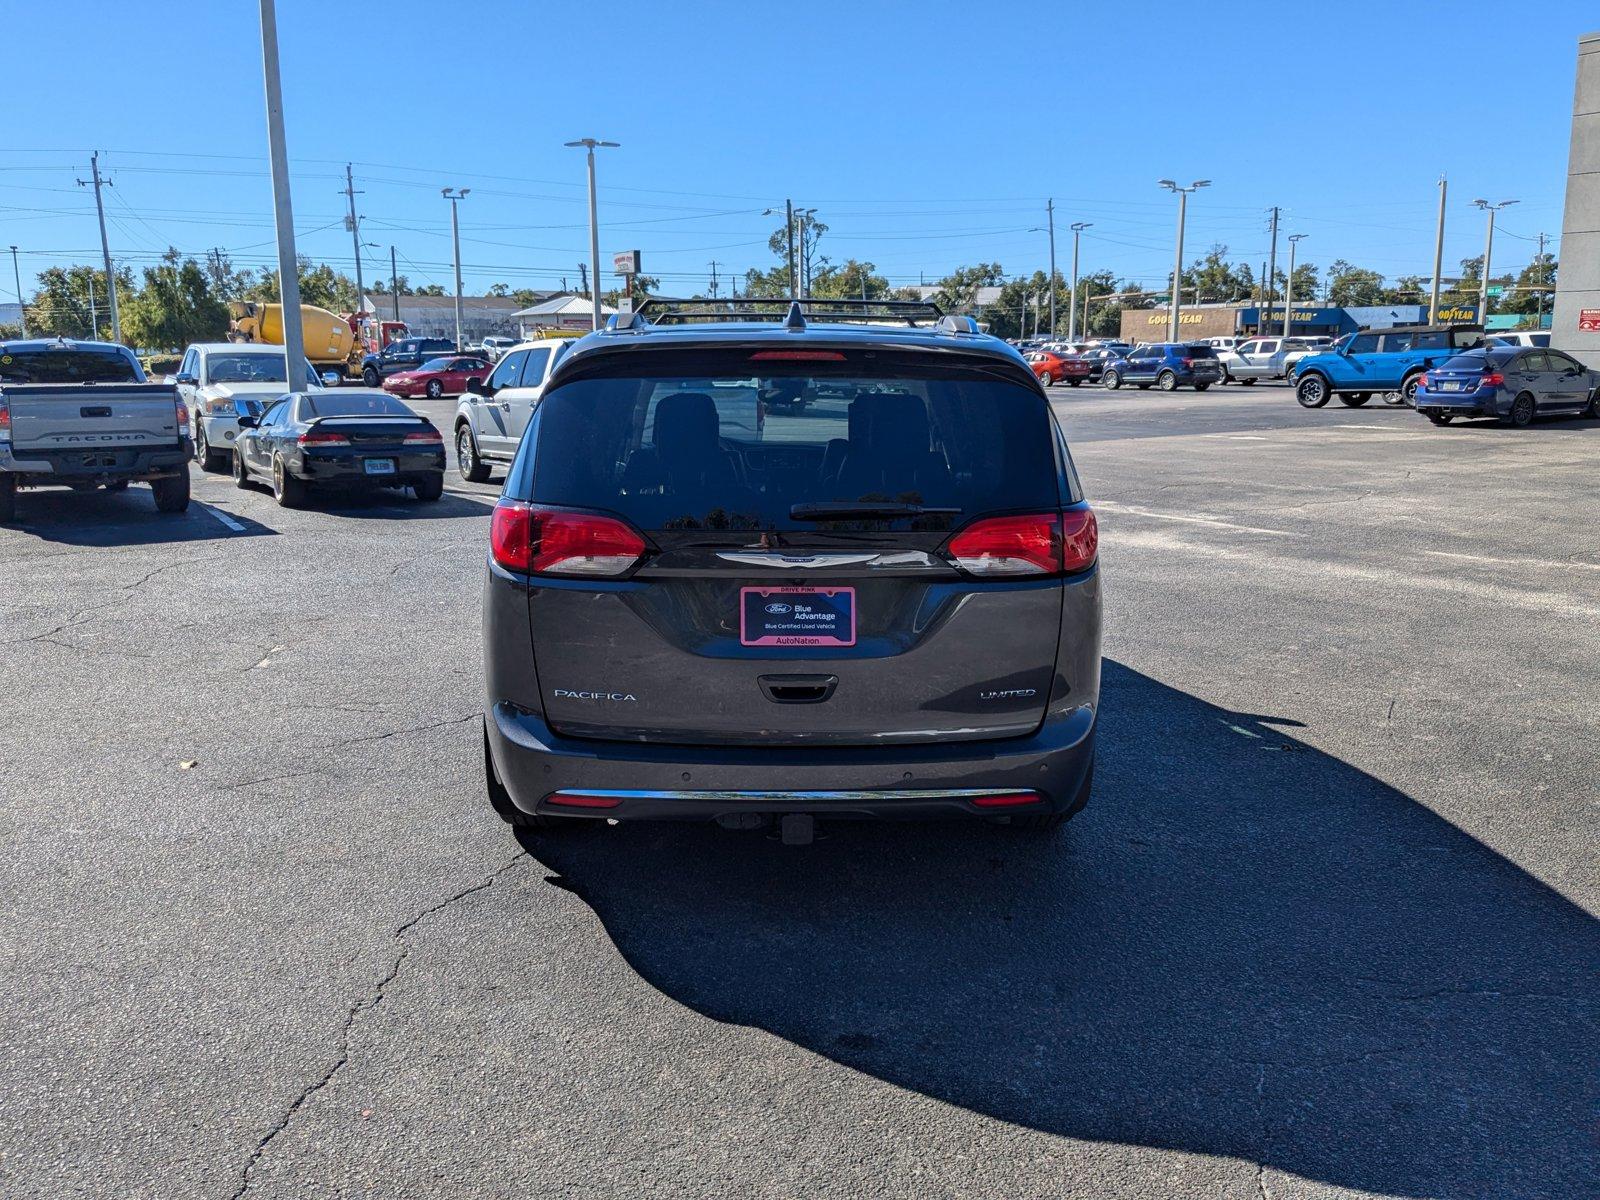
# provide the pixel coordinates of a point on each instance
(1217, 280)
(60, 307)
(433, 289)
(958, 291)
(1354, 287)
(498, 289)
(850, 280)
(527, 297)
(643, 285)
(1105, 316)
(175, 307)
(399, 285)
(226, 281)
(1306, 283)
(1528, 296)
(321, 286)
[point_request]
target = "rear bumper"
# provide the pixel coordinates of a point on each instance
(348, 468)
(669, 782)
(69, 466)
(1482, 403)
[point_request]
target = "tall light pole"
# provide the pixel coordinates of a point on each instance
(294, 344)
(354, 222)
(591, 144)
(1438, 253)
(22, 305)
(1288, 285)
(1177, 268)
(1050, 224)
(1488, 249)
(788, 227)
(455, 196)
(99, 200)
(394, 290)
(1072, 306)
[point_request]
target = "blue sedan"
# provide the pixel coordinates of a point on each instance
(1510, 383)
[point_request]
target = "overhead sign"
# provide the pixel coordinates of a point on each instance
(1589, 320)
(625, 262)
(1495, 290)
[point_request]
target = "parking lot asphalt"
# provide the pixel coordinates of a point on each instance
(1327, 928)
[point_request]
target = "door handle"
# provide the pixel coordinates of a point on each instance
(798, 689)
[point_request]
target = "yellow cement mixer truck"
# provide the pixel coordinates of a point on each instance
(331, 344)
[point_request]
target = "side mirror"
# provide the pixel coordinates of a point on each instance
(477, 387)
(246, 421)
(185, 378)
(331, 379)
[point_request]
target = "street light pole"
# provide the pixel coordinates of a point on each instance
(590, 145)
(394, 290)
(294, 345)
(1050, 213)
(1438, 252)
(1177, 269)
(22, 305)
(1488, 250)
(1288, 286)
(355, 237)
(1072, 307)
(455, 196)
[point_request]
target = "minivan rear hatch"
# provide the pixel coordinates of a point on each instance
(759, 545)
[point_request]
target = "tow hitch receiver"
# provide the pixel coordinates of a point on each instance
(798, 829)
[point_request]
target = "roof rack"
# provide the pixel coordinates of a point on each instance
(778, 309)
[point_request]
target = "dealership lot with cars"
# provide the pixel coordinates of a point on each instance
(1322, 930)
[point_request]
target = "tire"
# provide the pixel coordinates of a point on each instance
(1408, 390)
(1167, 381)
(472, 468)
(209, 459)
(431, 488)
(1593, 409)
(506, 809)
(1354, 399)
(1313, 391)
(8, 499)
(1200, 387)
(1112, 380)
(435, 389)
(171, 492)
(288, 491)
(1226, 377)
(369, 376)
(1046, 379)
(1246, 382)
(1522, 411)
(117, 485)
(241, 473)
(1441, 418)
(1074, 382)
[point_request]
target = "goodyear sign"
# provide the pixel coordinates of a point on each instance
(1184, 318)
(1464, 314)
(1302, 316)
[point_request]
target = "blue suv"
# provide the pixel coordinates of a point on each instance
(1383, 361)
(1166, 365)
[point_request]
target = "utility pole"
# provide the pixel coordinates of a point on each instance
(1288, 285)
(294, 344)
(1439, 252)
(455, 196)
(355, 236)
(590, 144)
(94, 328)
(789, 208)
(1539, 324)
(1488, 251)
(713, 279)
(1050, 215)
(100, 208)
(394, 289)
(583, 278)
(1072, 304)
(23, 306)
(1177, 269)
(1271, 275)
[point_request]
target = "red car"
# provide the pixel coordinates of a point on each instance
(437, 377)
(1049, 366)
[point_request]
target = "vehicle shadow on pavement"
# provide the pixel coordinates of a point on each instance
(1243, 947)
(121, 519)
(401, 506)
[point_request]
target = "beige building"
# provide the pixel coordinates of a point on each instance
(1194, 321)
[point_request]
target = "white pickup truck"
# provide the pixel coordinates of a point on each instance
(81, 415)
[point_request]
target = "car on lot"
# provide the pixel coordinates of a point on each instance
(1509, 382)
(1520, 338)
(1050, 366)
(218, 381)
(1267, 357)
(82, 415)
(1380, 361)
(494, 346)
(1098, 356)
(404, 354)
(887, 606)
(1166, 365)
(348, 438)
(492, 414)
(449, 375)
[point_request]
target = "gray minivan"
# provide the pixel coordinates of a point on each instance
(884, 602)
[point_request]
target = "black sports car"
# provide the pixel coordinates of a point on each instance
(350, 437)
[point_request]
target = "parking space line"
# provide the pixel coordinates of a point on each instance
(223, 517)
(1189, 519)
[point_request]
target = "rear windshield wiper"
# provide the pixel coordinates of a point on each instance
(852, 510)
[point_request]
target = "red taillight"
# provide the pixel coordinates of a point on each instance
(1188, 362)
(797, 356)
(1422, 381)
(583, 800)
(5, 420)
(322, 437)
(1006, 799)
(1493, 379)
(1034, 544)
(424, 437)
(180, 411)
(550, 541)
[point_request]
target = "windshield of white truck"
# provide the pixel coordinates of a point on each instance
(67, 365)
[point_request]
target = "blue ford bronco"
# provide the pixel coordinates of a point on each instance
(1382, 361)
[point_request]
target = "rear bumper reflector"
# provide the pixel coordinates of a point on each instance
(1006, 799)
(584, 800)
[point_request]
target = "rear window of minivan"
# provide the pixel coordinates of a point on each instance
(727, 442)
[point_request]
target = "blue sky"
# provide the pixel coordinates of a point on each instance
(927, 135)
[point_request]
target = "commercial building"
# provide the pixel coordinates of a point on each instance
(1240, 320)
(435, 316)
(1576, 324)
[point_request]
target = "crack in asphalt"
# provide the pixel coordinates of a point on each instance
(364, 1004)
(378, 737)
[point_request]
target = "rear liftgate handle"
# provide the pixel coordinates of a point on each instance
(798, 689)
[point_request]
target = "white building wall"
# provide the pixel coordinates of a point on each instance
(1578, 282)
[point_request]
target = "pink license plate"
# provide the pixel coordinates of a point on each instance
(797, 616)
